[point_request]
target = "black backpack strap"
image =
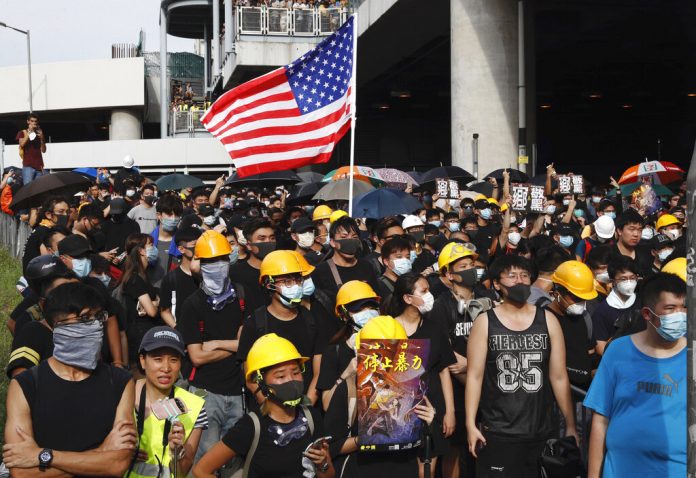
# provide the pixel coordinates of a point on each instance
(310, 419)
(254, 444)
(334, 273)
(387, 283)
(261, 316)
(308, 318)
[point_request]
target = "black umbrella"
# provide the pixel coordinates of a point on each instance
(484, 187)
(516, 176)
(302, 193)
(177, 181)
(310, 176)
(34, 193)
(446, 172)
(276, 178)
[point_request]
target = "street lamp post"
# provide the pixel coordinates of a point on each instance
(26, 32)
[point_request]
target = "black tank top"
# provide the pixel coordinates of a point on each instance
(73, 416)
(516, 400)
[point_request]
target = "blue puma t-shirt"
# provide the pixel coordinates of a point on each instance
(645, 401)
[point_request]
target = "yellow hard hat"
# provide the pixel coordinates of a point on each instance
(307, 268)
(676, 266)
(577, 278)
(453, 252)
(493, 201)
(481, 196)
(666, 220)
(382, 327)
(270, 350)
(504, 207)
(279, 263)
(336, 215)
(321, 212)
(352, 291)
(211, 244)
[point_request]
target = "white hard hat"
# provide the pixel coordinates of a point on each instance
(411, 221)
(128, 161)
(604, 227)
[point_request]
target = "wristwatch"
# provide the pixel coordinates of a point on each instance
(324, 467)
(45, 458)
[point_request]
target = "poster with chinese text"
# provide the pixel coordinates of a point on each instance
(390, 384)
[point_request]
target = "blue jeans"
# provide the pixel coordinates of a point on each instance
(223, 413)
(29, 174)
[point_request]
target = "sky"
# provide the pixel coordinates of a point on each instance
(68, 30)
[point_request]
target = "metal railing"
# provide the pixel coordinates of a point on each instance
(186, 122)
(13, 234)
(289, 21)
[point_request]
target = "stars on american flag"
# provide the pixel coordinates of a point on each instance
(323, 75)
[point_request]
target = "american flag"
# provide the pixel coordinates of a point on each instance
(292, 116)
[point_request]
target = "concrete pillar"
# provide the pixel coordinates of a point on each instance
(164, 86)
(483, 65)
(216, 39)
(206, 59)
(229, 26)
(125, 124)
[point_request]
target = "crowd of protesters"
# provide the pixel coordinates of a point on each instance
(246, 309)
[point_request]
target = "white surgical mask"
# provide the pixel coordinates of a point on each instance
(647, 233)
(576, 309)
(364, 316)
(664, 254)
(674, 234)
(305, 239)
(514, 238)
(401, 266)
(626, 287)
(550, 209)
(566, 202)
(603, 277)
(427, 305)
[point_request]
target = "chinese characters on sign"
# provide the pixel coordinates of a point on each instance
(447, 188)
(571, 184)
(520, 195)
(536, 203)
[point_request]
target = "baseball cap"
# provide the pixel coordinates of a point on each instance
(160, 338)
(74, 246)
(660, 240)
(563, 229)
(302, 224)
(118, 205)
(206, 210)
(187, 234)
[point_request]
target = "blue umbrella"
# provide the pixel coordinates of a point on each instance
(91, 172)
(384, 202)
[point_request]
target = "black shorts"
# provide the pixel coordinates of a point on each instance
(509, 459)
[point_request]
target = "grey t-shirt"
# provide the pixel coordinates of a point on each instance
(146, 217)
(537, 294)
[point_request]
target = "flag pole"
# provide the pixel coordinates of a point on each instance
(354, 93)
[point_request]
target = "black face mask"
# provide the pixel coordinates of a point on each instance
(418, 236)
(288, 394)
(265, 248)
(61, 220)
(149, 200)
(349, 247)
(433, 241)
(468, 277)
(472, 233)
(518, 293)
(117, 218)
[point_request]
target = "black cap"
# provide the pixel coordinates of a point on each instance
(302, 224)
(660, 240)
(160, 338)
(187, 234)
(189, 220)
(563, 229)
(118, 206)
(482, 204)
(206, 210)
(74, 246)
(42, 267)
(677, 209)
(358, 305)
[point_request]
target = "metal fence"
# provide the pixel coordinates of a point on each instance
(289, 22)
(13, 234)
(182, 122)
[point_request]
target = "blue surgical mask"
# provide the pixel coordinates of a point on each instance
(291, 296)
(105, 279)
(579, 213)
(151, 255)
(611, 214)
(672, 326)
(435, 223)
(566, 241)
(412, 256)
(486, 213)
(170, 224)
(453, 226)
(82, 267)
(364, 316)
(234, 255)
(401, 266)
(308, 287)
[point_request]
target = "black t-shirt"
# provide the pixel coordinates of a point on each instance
(324, 279)
(30, 314)
(32, 248)
(385, 287)
(183, 284)
(271, 460)
(402, 463)
(484, 236)
(117, 233)
(314, 257)
(29, 300)
(255, 295)
(73, 416)
(132, 290)
(440, 357)
(334, 361)
(305, 331)
(643, 259)
(577, 343)
(30, 346)
(223, 377)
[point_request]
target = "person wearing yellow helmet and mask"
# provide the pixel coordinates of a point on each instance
(279, 440)
(342, 424)
(281, 274)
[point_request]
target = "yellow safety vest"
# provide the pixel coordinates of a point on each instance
(153, 432)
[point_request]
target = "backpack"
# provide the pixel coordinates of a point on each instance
(561, 459)
(244, 472)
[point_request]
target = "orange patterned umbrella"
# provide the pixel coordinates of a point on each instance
(663, 172)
